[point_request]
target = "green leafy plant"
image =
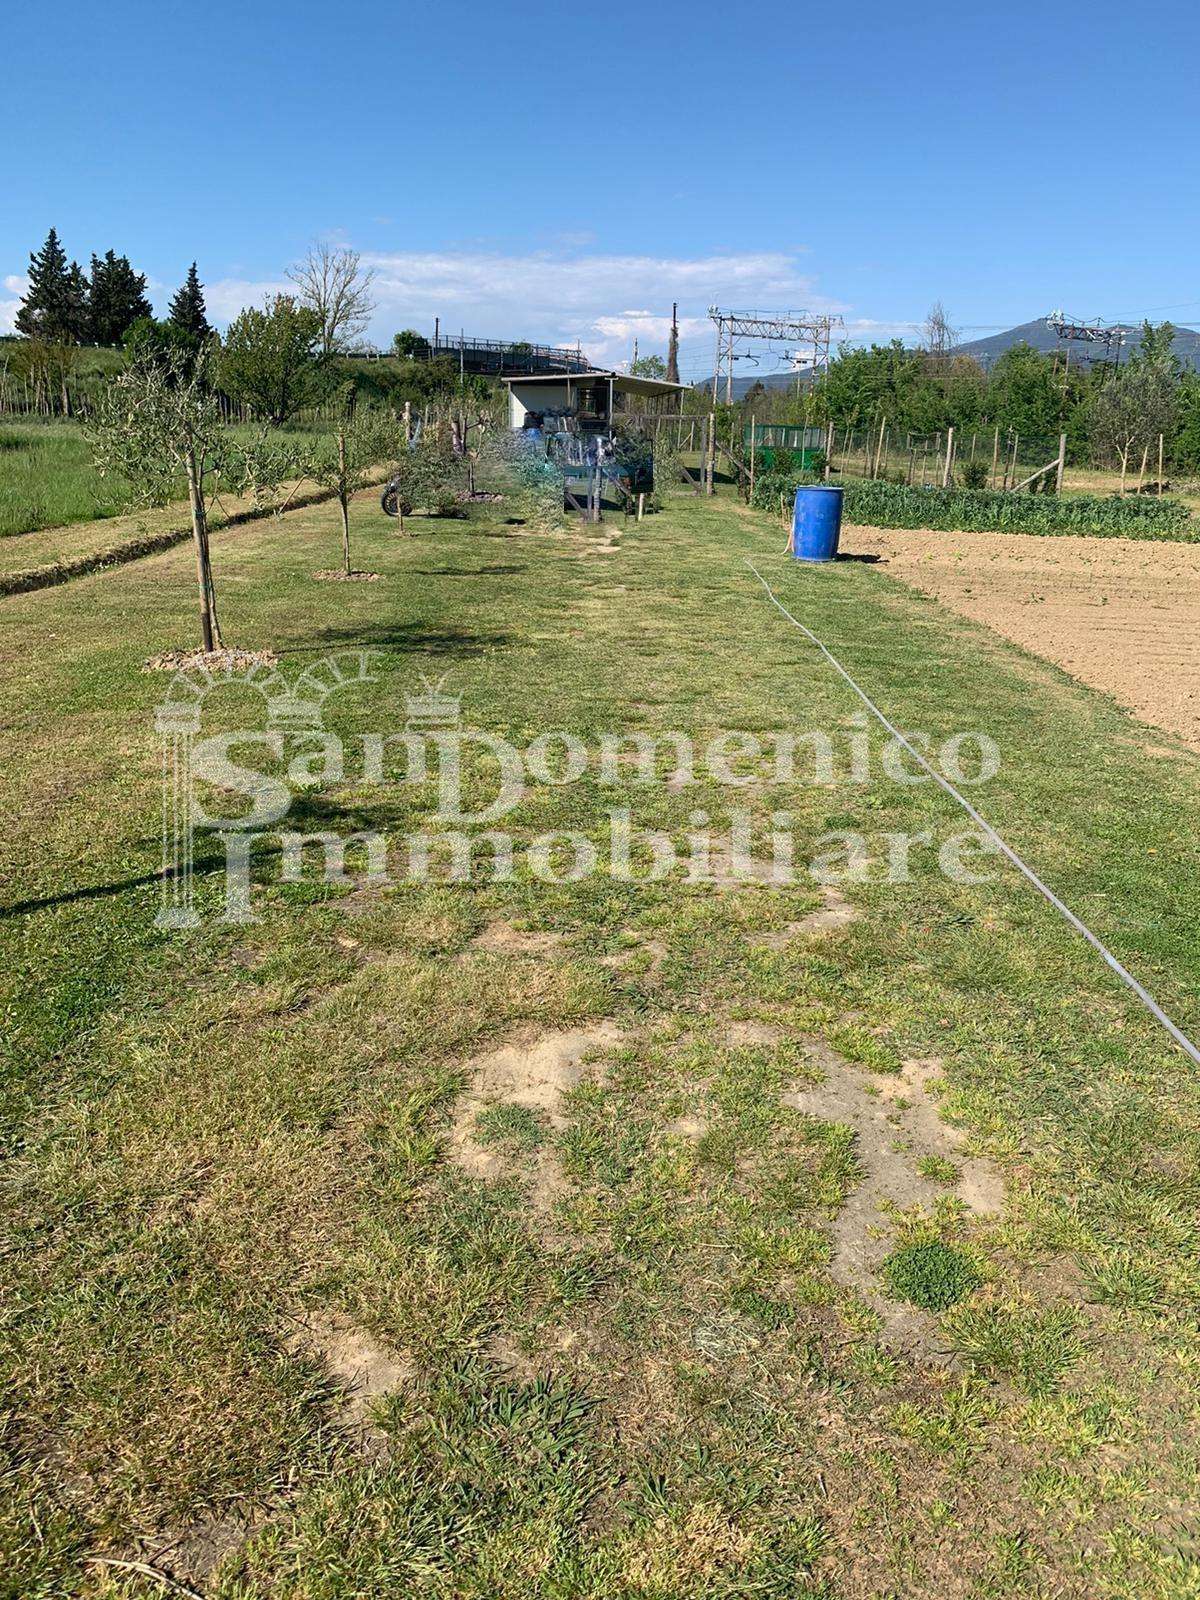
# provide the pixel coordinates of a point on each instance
(886, 505)
(269, 359)
(938, 1169)
(1120, 1279)
(930, 1274)
(972, 474)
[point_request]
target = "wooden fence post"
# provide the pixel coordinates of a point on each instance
(751, 458)
(1062, 462)
(1142, 468)
(1160, 464)
(995, 460)
(949, 457)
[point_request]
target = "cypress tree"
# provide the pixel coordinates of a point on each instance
(78, 318)
(45, 312)
(116, 299)
(188, 311)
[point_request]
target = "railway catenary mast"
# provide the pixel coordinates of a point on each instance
(806, 330)
(1112, 337)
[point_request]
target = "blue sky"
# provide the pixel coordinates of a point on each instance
(556, 172)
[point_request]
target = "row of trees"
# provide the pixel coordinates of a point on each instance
(1108, 413)
(273, 362)
(66, 306)
(160, 420)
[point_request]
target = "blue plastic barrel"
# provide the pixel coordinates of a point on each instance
(817, 522)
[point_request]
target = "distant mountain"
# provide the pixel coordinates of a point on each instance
(742, 386)
(987, 351)
(1041, 337)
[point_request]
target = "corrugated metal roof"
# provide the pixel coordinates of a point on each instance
(622, 382)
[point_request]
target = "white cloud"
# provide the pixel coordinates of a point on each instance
(18, 288)
(865, 330)
(225, 297)
(559, 297)
(554, 296)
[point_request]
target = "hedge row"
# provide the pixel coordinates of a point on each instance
(888, 505)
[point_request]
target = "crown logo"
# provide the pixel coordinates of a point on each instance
(432, 709)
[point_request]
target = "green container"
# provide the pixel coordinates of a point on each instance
(798, 445)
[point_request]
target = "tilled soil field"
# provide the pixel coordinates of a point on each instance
(1122, 615)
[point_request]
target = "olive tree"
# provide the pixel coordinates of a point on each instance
(361, 439)
(154, 422)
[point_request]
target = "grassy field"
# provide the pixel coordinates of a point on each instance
(47, 481)
(47, 478)
(721, 1304)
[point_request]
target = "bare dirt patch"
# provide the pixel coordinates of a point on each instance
(363, 1369)
(691, 1126)
(750, 1032)
(364, 898)
(835, 913)
(178, 1560)
(1122, 615)
(533, 1072)
(505, 939)
(650, 953)
(729, 868)
(340, 575)
(896, 1125)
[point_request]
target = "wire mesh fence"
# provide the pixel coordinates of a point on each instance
(980, 458)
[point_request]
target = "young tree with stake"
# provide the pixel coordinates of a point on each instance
(154, 421)
(361, 439)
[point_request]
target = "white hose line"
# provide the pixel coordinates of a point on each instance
(1126, 977)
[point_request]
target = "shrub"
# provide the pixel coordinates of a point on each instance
(930, 1274)
(427, 476)
(972, 474)
(886, 505)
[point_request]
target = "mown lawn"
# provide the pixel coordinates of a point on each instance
(609, 1346)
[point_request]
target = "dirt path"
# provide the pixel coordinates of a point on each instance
(1122, 615)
